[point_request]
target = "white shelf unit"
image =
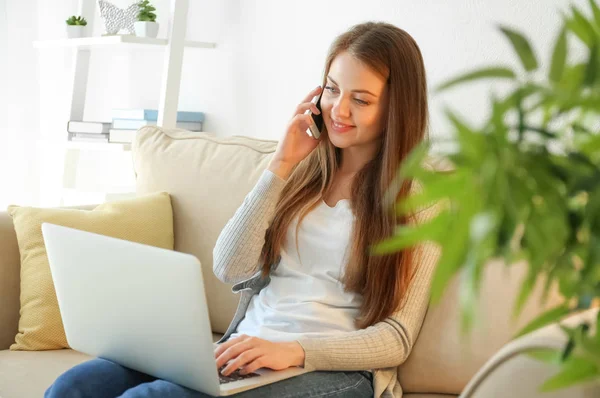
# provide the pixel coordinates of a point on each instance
(173, 48)
(173, 58)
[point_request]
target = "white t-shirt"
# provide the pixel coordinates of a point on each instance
(305, 297)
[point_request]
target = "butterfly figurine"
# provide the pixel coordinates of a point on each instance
(116, 18)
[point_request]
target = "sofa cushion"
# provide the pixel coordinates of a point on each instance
(10, 265)
(30, 373)
(147, 219)
(208, 178)
(452, 359)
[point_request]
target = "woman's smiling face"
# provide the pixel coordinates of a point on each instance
(354, 103)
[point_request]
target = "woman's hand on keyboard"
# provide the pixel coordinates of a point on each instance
(252, 353)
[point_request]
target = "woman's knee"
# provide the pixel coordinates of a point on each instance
(97, 377)
(162, 388)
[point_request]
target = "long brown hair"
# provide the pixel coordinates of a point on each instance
(381, 280)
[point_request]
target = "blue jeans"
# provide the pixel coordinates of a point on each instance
(100, 378)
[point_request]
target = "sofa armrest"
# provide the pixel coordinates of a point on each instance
(512, 373)
(10, 277)
(9, 281)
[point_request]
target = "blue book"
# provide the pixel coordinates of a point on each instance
(152, 115)
(132, 124)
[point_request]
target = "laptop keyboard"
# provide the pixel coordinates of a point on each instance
(235, 376)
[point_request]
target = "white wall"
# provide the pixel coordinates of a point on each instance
(269, 54)
(286, 44)
(19, 105)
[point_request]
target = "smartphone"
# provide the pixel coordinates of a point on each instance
(315, 128)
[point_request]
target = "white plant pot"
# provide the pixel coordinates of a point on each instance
(74, 31)
(146, 29)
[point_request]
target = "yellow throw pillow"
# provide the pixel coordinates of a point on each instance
(145, 219)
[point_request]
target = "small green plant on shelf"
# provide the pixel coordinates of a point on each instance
(146, 12)
(76, 21)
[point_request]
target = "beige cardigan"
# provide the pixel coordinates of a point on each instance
(382, 346)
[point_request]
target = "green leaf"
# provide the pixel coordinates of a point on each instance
(590, 344)
(450, 262)
(575, 370)
(559, 57)
(521, 93)
(550, 316)
(468, 290)
(591, 71)
(410, 235)
(596, 12)
(522, 47)
(585, 24)
(490, 72)
(471, 142)
(455, 245)
(524, 292)
(568, 350)
(414, 161)
(547, 355)
(446, 186)
(579, 26)
(598, 327)
(573, 76)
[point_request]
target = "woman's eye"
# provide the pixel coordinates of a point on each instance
(358, 101)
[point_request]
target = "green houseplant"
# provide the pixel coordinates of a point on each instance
(146, 25)
(525, 185)
(75, 26)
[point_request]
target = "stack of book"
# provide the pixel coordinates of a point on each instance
(125, 123)
(88, 131)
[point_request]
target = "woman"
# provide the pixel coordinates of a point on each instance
(301, 241)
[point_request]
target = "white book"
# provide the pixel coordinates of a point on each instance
(89, 135)
(85, 139)
(122, 136)
(74, 126)
(129, 124)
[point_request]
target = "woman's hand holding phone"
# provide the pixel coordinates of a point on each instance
(296, 144)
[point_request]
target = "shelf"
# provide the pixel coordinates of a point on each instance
(83, 145)
(102, 41)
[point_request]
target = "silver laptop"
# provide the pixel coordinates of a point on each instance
(142, 307)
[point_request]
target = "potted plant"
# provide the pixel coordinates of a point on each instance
(525, 184)
(76, 27)
(146, 25)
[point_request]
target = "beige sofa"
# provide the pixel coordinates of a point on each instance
(208, 178)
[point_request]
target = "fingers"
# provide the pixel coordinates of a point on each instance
(305, 106)
(243, 359)
(302, 121)
(312, 94)
(253, 366)
(233, 352)
(221, 348)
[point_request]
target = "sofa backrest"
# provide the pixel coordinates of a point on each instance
(208, 178)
